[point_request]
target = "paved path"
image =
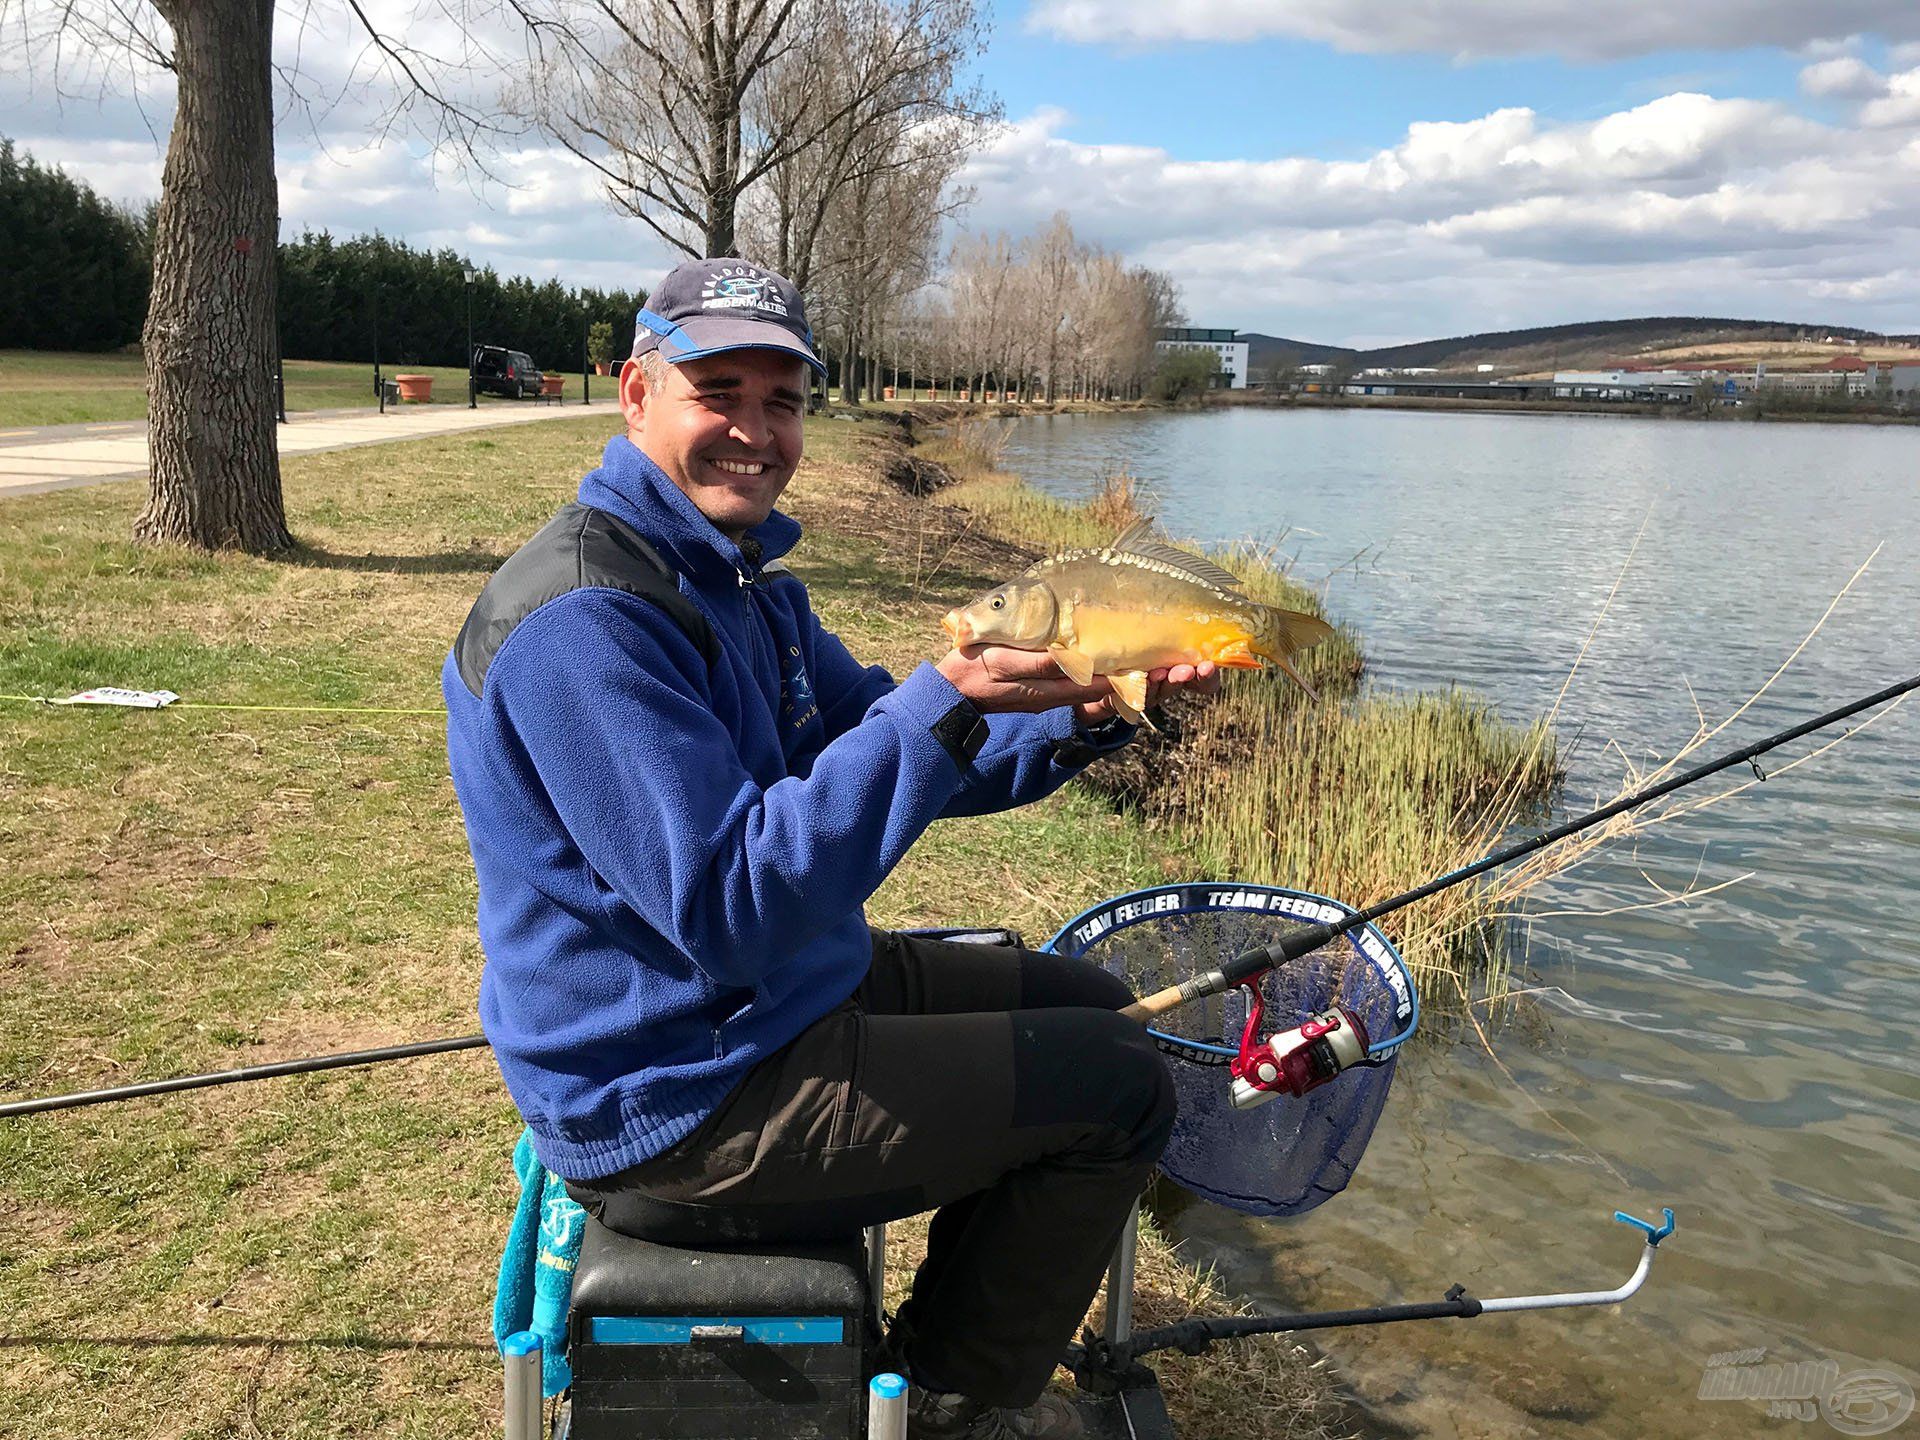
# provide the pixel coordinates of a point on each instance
(53, 457)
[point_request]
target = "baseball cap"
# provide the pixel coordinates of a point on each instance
(706, 306)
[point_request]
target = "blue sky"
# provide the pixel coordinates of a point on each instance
(1335, 170)
(1276, 97)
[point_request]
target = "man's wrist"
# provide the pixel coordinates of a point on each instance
(962, 731)
(1088, 743)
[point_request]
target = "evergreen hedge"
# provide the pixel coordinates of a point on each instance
(79, 269)
(77, 266)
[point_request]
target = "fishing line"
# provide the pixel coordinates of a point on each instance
(1308, 938)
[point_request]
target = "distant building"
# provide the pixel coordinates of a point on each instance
(1232, 354)
(1627, 384)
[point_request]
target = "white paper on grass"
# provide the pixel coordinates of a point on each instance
(113, 695)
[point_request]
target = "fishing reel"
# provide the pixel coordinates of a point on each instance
(1292, 1062)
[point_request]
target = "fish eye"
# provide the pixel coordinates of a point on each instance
(999, 602)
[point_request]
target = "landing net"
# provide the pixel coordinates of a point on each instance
(1292, 1153)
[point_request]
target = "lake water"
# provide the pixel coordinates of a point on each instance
(1749, 1059)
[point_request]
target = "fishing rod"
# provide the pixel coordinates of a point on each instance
(1308, 938)
(245, 1072)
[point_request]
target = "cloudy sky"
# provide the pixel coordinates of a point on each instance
(1334, 170)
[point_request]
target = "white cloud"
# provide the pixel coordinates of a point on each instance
(1899, 106)
(1688, 204)
(1845, 77)
(1467, 28)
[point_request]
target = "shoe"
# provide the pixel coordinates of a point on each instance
(947, 1415)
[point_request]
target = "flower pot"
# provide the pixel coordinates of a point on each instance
(418, 388)
(551, 384)
(886, 392)
(965, 396)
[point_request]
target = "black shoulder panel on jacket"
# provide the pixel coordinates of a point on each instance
(580, 548)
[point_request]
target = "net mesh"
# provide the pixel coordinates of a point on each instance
(1290, 1154)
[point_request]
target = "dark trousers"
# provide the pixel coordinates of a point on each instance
(992, 1084)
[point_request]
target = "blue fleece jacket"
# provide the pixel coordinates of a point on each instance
(673, 856)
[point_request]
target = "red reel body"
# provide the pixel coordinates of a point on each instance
(1292, 1062)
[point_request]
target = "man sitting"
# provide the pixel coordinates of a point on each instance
(680, 789)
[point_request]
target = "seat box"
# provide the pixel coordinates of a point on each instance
(764, 1343)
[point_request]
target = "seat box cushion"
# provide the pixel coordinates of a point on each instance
(619, 1275)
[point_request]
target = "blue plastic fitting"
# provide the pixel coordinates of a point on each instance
(1654, 1237)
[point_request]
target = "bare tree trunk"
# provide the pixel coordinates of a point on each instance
(210, 339)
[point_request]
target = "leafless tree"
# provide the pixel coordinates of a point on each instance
(1050, 310)
(879, 84)
(684, 107)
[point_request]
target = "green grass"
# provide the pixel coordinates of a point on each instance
(196, 889)
(62, 388)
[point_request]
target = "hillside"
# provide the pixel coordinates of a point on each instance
(1264, 351)
(1602, 342)
(1660, 339)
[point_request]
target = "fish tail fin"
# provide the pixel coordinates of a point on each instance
(1282, 634)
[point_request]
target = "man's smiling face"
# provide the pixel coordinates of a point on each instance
(725, 428)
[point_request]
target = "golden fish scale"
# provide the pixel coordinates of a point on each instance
(1133, 613)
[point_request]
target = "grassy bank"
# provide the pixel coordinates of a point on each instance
(1360, 795)
(195, 889)
(45, 387)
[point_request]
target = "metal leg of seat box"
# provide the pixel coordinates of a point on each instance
(1120, 1281)
(877, 1267)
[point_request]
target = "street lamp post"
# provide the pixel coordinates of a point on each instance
(472, 403)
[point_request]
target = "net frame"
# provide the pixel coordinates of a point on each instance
(1291, 1154)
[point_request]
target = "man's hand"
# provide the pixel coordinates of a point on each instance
(998, 680)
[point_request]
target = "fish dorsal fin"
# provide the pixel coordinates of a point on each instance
(1137, 539)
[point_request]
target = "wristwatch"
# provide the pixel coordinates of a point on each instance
(962, 730)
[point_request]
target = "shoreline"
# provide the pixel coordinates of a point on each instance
(935, 411)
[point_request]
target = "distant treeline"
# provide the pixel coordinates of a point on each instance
(79, 269)
(77, 266)
(336, 296)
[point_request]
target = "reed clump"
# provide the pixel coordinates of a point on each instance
(1358, 796)
(1120, 501)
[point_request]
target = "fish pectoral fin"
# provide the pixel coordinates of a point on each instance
(1073, 664)
(1130, 696)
